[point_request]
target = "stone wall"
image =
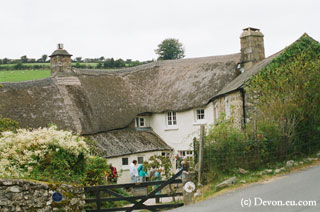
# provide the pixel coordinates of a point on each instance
(236, 108)
(27, 195)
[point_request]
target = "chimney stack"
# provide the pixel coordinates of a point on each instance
(252, 47)
(60, 61)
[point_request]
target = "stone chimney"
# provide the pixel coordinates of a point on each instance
(60, 61)
(252, 47)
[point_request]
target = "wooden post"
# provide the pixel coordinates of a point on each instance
(200, 162)
(98, 200)
(255, 130)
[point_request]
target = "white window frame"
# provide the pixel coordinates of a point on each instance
(171, 122)
(186, 153)
(200, 114)
(172, 118)
(145, 122)
(125, 167)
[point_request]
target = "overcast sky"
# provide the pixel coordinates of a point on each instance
(132, 29)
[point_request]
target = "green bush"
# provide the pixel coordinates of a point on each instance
(227, 148)
(95, 171)
(7, 124)
(49, 154)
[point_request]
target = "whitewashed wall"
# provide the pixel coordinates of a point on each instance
(181, 137)
(125, 175)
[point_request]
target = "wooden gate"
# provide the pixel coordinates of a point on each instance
(138, 201)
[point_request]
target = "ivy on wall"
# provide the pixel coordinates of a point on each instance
(287, 91)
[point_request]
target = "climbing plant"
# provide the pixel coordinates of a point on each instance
(286, 92)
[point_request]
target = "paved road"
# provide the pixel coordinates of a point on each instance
(298, 186)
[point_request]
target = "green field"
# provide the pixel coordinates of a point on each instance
(23, 75)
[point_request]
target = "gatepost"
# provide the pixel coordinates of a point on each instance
(189, 187)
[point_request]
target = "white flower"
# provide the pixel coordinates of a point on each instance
(27, 147)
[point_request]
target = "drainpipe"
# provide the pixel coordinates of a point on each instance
(243, 106)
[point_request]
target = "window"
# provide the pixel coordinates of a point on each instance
(165, 154)
(200, 114)
(182, 153)
(227, 107)
(186, 153)
(140, 160)
(125, 161)
(142, 122)
(172, 119)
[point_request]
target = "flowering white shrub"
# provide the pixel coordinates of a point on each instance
(20, 152)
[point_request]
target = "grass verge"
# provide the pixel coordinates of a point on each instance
(209, 190)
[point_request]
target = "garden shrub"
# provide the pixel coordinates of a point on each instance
(7, 124)
(48, 154)
(95, 171)
(227, 148)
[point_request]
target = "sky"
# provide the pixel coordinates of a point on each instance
(132, 29)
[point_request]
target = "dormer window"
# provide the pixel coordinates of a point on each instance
(142, 122)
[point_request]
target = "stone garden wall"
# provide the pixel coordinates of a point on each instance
(27, 195)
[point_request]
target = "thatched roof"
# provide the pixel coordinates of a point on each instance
(94, 101)
(128, 141)
(304, 42)
(61, 52)
(239, 81)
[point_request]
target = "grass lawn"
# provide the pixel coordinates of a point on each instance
(23, 75)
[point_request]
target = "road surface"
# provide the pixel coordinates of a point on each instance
(297, 191)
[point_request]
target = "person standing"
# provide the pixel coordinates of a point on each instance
(134, 171)
(178, 162)
(112, 175)
(142, 171)
(157, 177)
(151, 173)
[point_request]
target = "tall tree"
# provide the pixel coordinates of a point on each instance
(170, 49)
(44, 58)
(24, 59)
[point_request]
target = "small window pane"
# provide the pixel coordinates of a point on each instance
(172, 119)
(141, 122)
(125, 161)
(140, 160)
(200, 114)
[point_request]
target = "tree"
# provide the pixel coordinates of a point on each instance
(44, 58)
(24, 59)
(79, 59)
(5, 61)
(170, 49)
(101, 58)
